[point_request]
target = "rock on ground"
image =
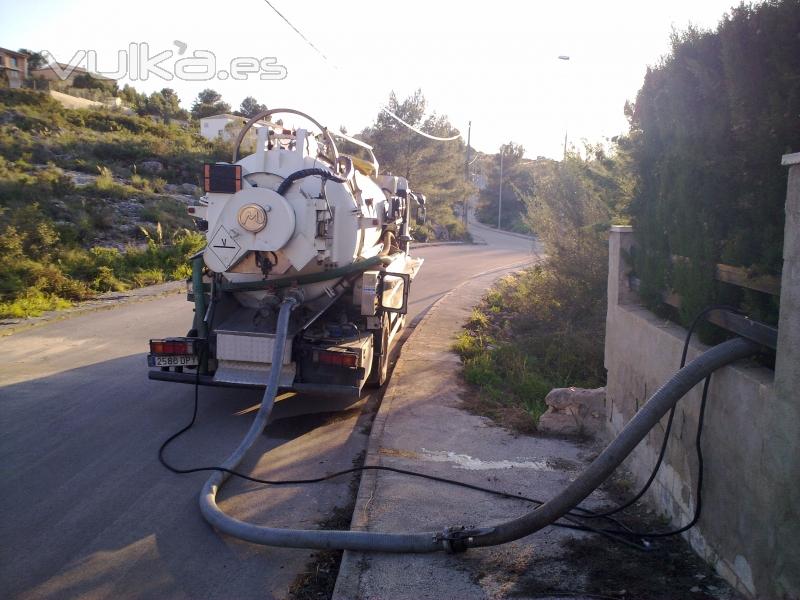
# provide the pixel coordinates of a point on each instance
(574, 411)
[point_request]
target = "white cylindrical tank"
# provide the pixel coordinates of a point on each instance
(319, 223)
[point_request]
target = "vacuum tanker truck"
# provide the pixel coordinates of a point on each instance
(296, 218)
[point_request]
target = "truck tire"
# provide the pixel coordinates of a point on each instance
(380, 359)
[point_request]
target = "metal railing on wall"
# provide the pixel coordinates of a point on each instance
(730, 320)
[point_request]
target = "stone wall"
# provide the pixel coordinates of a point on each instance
(750, 525)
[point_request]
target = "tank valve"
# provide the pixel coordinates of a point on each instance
(295, 293)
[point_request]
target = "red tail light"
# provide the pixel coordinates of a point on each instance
(336, 359)
(172, 346)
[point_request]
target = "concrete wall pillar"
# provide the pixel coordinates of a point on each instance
(781, 455)
(750, 525)
(620, 241)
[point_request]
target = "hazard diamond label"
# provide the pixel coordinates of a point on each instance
(224, 246)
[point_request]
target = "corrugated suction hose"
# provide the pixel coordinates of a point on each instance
(458, 538)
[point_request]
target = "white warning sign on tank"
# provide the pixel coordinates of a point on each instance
(224, 246)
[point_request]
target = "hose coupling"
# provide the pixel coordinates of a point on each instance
(458, 538)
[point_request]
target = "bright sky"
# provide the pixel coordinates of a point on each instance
(494, 63)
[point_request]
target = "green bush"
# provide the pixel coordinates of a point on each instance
(544, 327)
(28, 286)
(148, 277)
(707, 133)
(423, 233)
(32, 303)
(107, 281)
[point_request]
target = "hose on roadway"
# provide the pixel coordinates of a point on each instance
(457, 538)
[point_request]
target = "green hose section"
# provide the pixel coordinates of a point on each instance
(283, 282)
(199, 305)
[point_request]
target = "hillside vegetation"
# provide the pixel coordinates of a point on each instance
(78, 213)
(93, 201)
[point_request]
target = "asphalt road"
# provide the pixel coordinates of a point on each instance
(87, 510)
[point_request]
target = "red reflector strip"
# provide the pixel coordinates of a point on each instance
(222, 178)
(337, 359)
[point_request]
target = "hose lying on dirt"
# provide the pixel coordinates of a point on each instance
(459, 538)
(294, 538)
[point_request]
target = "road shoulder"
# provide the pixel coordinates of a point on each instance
(102, 302)
(421, 426)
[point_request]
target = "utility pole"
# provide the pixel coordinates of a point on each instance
(466, 174)
(565, 57)
(500, 196)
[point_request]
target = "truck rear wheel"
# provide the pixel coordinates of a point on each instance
(380, 359)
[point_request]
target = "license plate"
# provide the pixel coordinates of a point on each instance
(178, 360)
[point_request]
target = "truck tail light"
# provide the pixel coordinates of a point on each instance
(172, 346)
(336, 359)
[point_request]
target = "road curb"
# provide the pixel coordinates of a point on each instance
(418, 245)
(523, 236)
(114, 299)
(107, 301)
(348, 579)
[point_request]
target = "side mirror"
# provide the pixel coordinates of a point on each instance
(420, 212)
(393, 292)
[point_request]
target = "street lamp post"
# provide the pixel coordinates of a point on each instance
(500, 196)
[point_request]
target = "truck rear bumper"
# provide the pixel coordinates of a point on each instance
(192, 378)
(208, 380)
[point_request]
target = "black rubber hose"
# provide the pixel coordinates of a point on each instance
(608, 460)
(460, 538)
(303, 173)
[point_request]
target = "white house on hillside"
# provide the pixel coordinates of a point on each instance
(225, 126)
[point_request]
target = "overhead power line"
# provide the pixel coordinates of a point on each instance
(297, 31)
(386, 110)
(419, 131)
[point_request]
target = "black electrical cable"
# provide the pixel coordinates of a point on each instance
(670, 419)
(573, 518)
(699, 487)
(698, 448)
(179, 433)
